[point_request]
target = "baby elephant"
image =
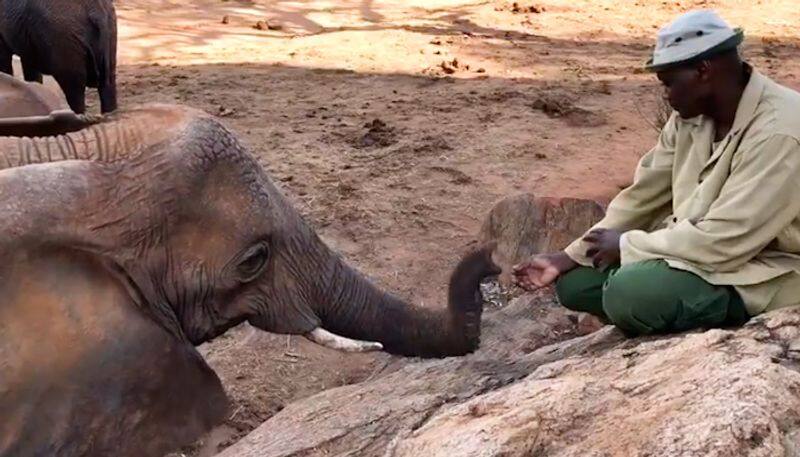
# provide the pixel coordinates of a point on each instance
(75, 41)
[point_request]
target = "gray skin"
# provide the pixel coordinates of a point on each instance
(75, 41)
(22, 99)
(29, 109)
(127, 243)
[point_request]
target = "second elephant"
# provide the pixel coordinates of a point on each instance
(75, 41)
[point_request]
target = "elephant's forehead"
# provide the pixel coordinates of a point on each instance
(213, 240)
(229, 206)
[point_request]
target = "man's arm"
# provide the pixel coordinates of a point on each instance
(637, 206)
(757, 202)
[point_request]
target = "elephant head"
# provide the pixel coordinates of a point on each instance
(201, 231)
(196, 237)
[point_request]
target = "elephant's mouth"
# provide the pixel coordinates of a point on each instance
(340, 343)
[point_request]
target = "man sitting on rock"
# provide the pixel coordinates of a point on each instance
(708, 234)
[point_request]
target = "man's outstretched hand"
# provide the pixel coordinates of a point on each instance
(542, 269)
(604, 247)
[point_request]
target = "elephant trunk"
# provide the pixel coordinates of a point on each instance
(56, 123)
(359, 310)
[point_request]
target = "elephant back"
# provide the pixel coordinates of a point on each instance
(22, 99)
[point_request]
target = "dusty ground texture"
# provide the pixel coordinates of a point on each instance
(395, 125)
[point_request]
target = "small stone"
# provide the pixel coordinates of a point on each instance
(447, 68)
(261, 25)
(226, 19)
(588, 324)
(477, 410)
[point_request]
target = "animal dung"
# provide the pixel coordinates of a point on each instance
(267, 25)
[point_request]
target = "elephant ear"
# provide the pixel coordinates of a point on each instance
(84, 371)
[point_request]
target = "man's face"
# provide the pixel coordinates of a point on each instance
(685, 88)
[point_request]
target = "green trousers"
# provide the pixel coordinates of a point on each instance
(650, 297)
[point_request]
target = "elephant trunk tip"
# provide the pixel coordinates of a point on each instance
(464, 296)
(465, 281)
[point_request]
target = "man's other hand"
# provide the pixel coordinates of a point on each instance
(604, 247)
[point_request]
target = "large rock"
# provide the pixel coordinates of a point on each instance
(718, 393)
(714, 393)
(524, 225)
(369, 418)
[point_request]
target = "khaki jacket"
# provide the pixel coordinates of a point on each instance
(731, 215)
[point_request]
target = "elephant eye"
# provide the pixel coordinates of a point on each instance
(253, 262)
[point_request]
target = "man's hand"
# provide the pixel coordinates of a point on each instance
(541, 270)
(604, 249)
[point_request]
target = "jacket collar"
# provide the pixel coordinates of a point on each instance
(751, 97)
(748, 104)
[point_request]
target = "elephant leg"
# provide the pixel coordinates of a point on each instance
(108, 96)
(74, 88)
(31, 73)
(6, 59)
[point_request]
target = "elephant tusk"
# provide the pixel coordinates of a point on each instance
(325, 338)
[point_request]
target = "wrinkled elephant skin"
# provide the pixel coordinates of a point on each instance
(153, 230)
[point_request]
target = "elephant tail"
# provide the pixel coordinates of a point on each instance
(104, 54)
(102, 48)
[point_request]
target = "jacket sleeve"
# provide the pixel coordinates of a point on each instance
(757, 202)
(646, 199)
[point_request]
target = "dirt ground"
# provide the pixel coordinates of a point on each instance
(395, 125)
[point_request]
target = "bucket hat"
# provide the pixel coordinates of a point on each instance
(693, 36)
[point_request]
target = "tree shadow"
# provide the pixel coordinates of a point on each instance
(193, 27)
(368, 13)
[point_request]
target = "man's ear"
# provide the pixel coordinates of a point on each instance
(703, 70)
